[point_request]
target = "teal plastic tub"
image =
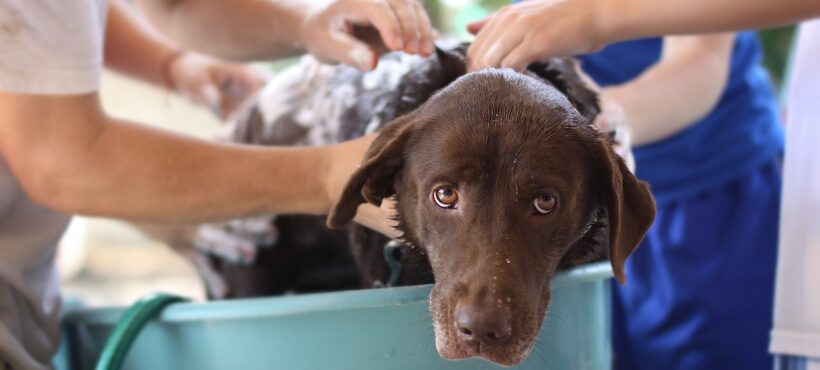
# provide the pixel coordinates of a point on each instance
(387, 328)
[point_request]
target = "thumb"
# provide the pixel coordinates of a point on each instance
(347, 49)
(476, 27)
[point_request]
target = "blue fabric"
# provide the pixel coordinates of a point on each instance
(700, 289)
(791, 363)
(740, 134)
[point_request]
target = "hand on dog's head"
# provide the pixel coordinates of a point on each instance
(501, 179)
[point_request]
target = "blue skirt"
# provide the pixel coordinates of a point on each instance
(700, 289)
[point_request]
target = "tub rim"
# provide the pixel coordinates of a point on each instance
(256, 308)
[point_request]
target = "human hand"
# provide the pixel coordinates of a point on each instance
(222, 87)
(612, 121)
(530, 31)
(611, 117)
(356, 32)
(341, 161)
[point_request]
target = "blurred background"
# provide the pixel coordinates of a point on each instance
(105, 262)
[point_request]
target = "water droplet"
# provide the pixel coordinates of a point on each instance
(509, 299)
(508, 260)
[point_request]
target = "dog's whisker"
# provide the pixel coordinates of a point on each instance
(539, 351)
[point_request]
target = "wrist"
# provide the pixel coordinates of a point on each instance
(614, 20)
(305, 21)
(340, 161)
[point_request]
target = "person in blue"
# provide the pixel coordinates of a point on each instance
(700, 288)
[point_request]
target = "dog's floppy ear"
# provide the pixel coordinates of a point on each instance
(373, 180)
(566, 76)
(628, 204)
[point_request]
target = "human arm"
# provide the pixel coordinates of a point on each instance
(134, 48)
(681, 88)
(547, 28)
(252, 29)
(69, 156)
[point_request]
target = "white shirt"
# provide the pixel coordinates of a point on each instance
(46, 47)
(797, 302)
(51, 46)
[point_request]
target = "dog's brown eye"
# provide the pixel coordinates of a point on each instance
(445, 196)
(543, 204)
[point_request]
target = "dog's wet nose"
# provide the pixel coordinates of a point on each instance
(485, 326)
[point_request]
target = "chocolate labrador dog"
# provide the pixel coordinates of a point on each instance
(499, 178)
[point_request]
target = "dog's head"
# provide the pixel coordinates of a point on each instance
(501, 179)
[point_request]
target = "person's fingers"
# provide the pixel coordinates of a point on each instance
(247, 80)
(612, 114)
(228, 107)
(237, 86)
(475, 27)
(495, 54)
(209, 95)
(495, 26)
(370, 36)
(519, 58)
(427, 45)
(481, 43)
(499, 43)
(347, 49)
(406, 14)
(381, 16)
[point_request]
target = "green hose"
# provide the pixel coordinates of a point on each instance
(129, 327)
(390, 250)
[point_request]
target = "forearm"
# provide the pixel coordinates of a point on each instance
(86, 163)
(238, 29)
(179, 179)
(629, 19)
(681, 88)
(133, 47)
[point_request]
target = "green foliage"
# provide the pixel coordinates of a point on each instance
(493, 4)
(777, 43)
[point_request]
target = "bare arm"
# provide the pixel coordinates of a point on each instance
(266, 29)
(243, 30)
(132, 47)
(629, 19)
(69, 156)
(548, 28)
(682, 87)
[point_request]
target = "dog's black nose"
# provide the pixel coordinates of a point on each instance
(488, 326)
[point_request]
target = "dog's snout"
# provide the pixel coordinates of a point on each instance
(487, 327)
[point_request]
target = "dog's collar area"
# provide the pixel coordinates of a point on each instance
(393, 251)
(597, 218)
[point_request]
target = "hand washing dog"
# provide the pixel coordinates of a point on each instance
(499, 178)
